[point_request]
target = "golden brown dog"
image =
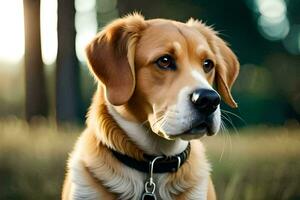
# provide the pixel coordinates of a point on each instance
(154, 99)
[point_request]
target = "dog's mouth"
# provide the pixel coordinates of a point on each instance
(193, 127)
(197, 131)
(201, 128)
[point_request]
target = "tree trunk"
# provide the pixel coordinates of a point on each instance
(36, 99)
(67, 72)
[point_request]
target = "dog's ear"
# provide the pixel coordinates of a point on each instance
(227, 70)
(111, 57)
(227, 67)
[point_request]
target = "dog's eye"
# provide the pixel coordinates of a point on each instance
(208, 65)
(166, 62)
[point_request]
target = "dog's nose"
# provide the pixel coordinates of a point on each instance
(205, 100)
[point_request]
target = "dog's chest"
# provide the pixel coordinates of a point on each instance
(133, 187)
(129, 184)
(89, 169)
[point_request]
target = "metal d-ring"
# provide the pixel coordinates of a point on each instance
(179, 162)
(150, 185)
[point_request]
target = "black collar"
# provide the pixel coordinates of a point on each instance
(162, 165)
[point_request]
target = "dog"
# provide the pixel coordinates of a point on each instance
(155, 99)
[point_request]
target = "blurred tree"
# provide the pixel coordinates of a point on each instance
(36, 99)
(106, 11)
(68, 97)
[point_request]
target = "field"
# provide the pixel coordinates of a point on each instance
(251, 164)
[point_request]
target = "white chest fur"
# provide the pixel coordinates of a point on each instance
(129, 184)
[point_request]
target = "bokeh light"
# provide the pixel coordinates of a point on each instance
(272, 8)
(49, 31)
(273, 29)
(12, 31)
(273, 22)
(86, 25)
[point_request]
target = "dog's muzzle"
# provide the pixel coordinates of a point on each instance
(205, 101)
(197, 116)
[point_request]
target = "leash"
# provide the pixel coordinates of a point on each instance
(154, 164)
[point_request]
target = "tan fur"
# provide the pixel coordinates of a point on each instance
(111, 135)
(121, 57)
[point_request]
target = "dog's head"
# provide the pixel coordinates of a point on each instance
(163, 71)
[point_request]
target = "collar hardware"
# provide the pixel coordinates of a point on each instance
(162, 164)
(178, 163)
(149, 184)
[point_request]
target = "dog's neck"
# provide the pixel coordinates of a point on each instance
(126, 136)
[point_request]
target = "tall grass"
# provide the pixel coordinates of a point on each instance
(32, 159)
(258, 163)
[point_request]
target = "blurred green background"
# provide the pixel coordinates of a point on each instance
(45, 90)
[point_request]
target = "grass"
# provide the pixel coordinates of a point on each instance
(33, 159)
(256, 163)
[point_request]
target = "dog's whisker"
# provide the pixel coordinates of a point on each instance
(226, 116)
(164, 120)
(174, 110)
(224, 140)
(160, 114)
(228, 119)
(235, 115)
(162, 124)
(227, 137)
(159, 123)
(158, 120)
(230, 141)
